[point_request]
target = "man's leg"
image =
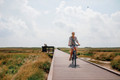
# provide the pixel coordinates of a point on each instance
(71, 54)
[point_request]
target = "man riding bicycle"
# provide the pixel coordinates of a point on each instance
(72, 42)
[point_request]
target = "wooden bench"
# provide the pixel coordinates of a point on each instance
(48, 49)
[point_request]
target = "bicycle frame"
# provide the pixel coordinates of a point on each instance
(74, 55)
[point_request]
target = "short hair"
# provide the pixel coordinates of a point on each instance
(73, 32)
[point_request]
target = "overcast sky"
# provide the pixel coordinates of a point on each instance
(31, 23)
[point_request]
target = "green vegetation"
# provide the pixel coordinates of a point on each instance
(24, 64)
(88, 54)
(39, 75)
(67, 51)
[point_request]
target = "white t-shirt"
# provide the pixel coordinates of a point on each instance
(72, 40)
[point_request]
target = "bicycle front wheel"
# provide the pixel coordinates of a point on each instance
(75, 59)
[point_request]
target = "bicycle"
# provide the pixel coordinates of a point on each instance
(74, 55)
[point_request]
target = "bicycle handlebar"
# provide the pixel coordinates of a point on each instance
(74, 45)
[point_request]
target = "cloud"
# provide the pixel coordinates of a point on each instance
(25, 24)
(46, 12)
(17, 23)
(1, 1)
(94, 28)
(116, 17)
(58, 9)
(19, 9)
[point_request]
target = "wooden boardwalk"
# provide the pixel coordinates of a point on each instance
(63, 69)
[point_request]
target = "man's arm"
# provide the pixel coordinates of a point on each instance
(77, 41)
(69, 42)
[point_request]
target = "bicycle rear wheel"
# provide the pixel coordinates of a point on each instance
(73, 59)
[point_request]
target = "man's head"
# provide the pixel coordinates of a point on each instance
(73, 33)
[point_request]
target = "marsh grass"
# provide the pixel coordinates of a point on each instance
(24, 66)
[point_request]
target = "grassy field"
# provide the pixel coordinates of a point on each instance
(24, 64)
(103, 54)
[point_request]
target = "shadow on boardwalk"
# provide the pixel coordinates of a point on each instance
(73, 66)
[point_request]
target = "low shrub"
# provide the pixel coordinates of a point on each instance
(88, 54)
(2, 73)
(116, 54)
(45, 66)
(109, 56)
(104, 56)
(78, 54)
(115, 63)
(58, 48)
(50, 55)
